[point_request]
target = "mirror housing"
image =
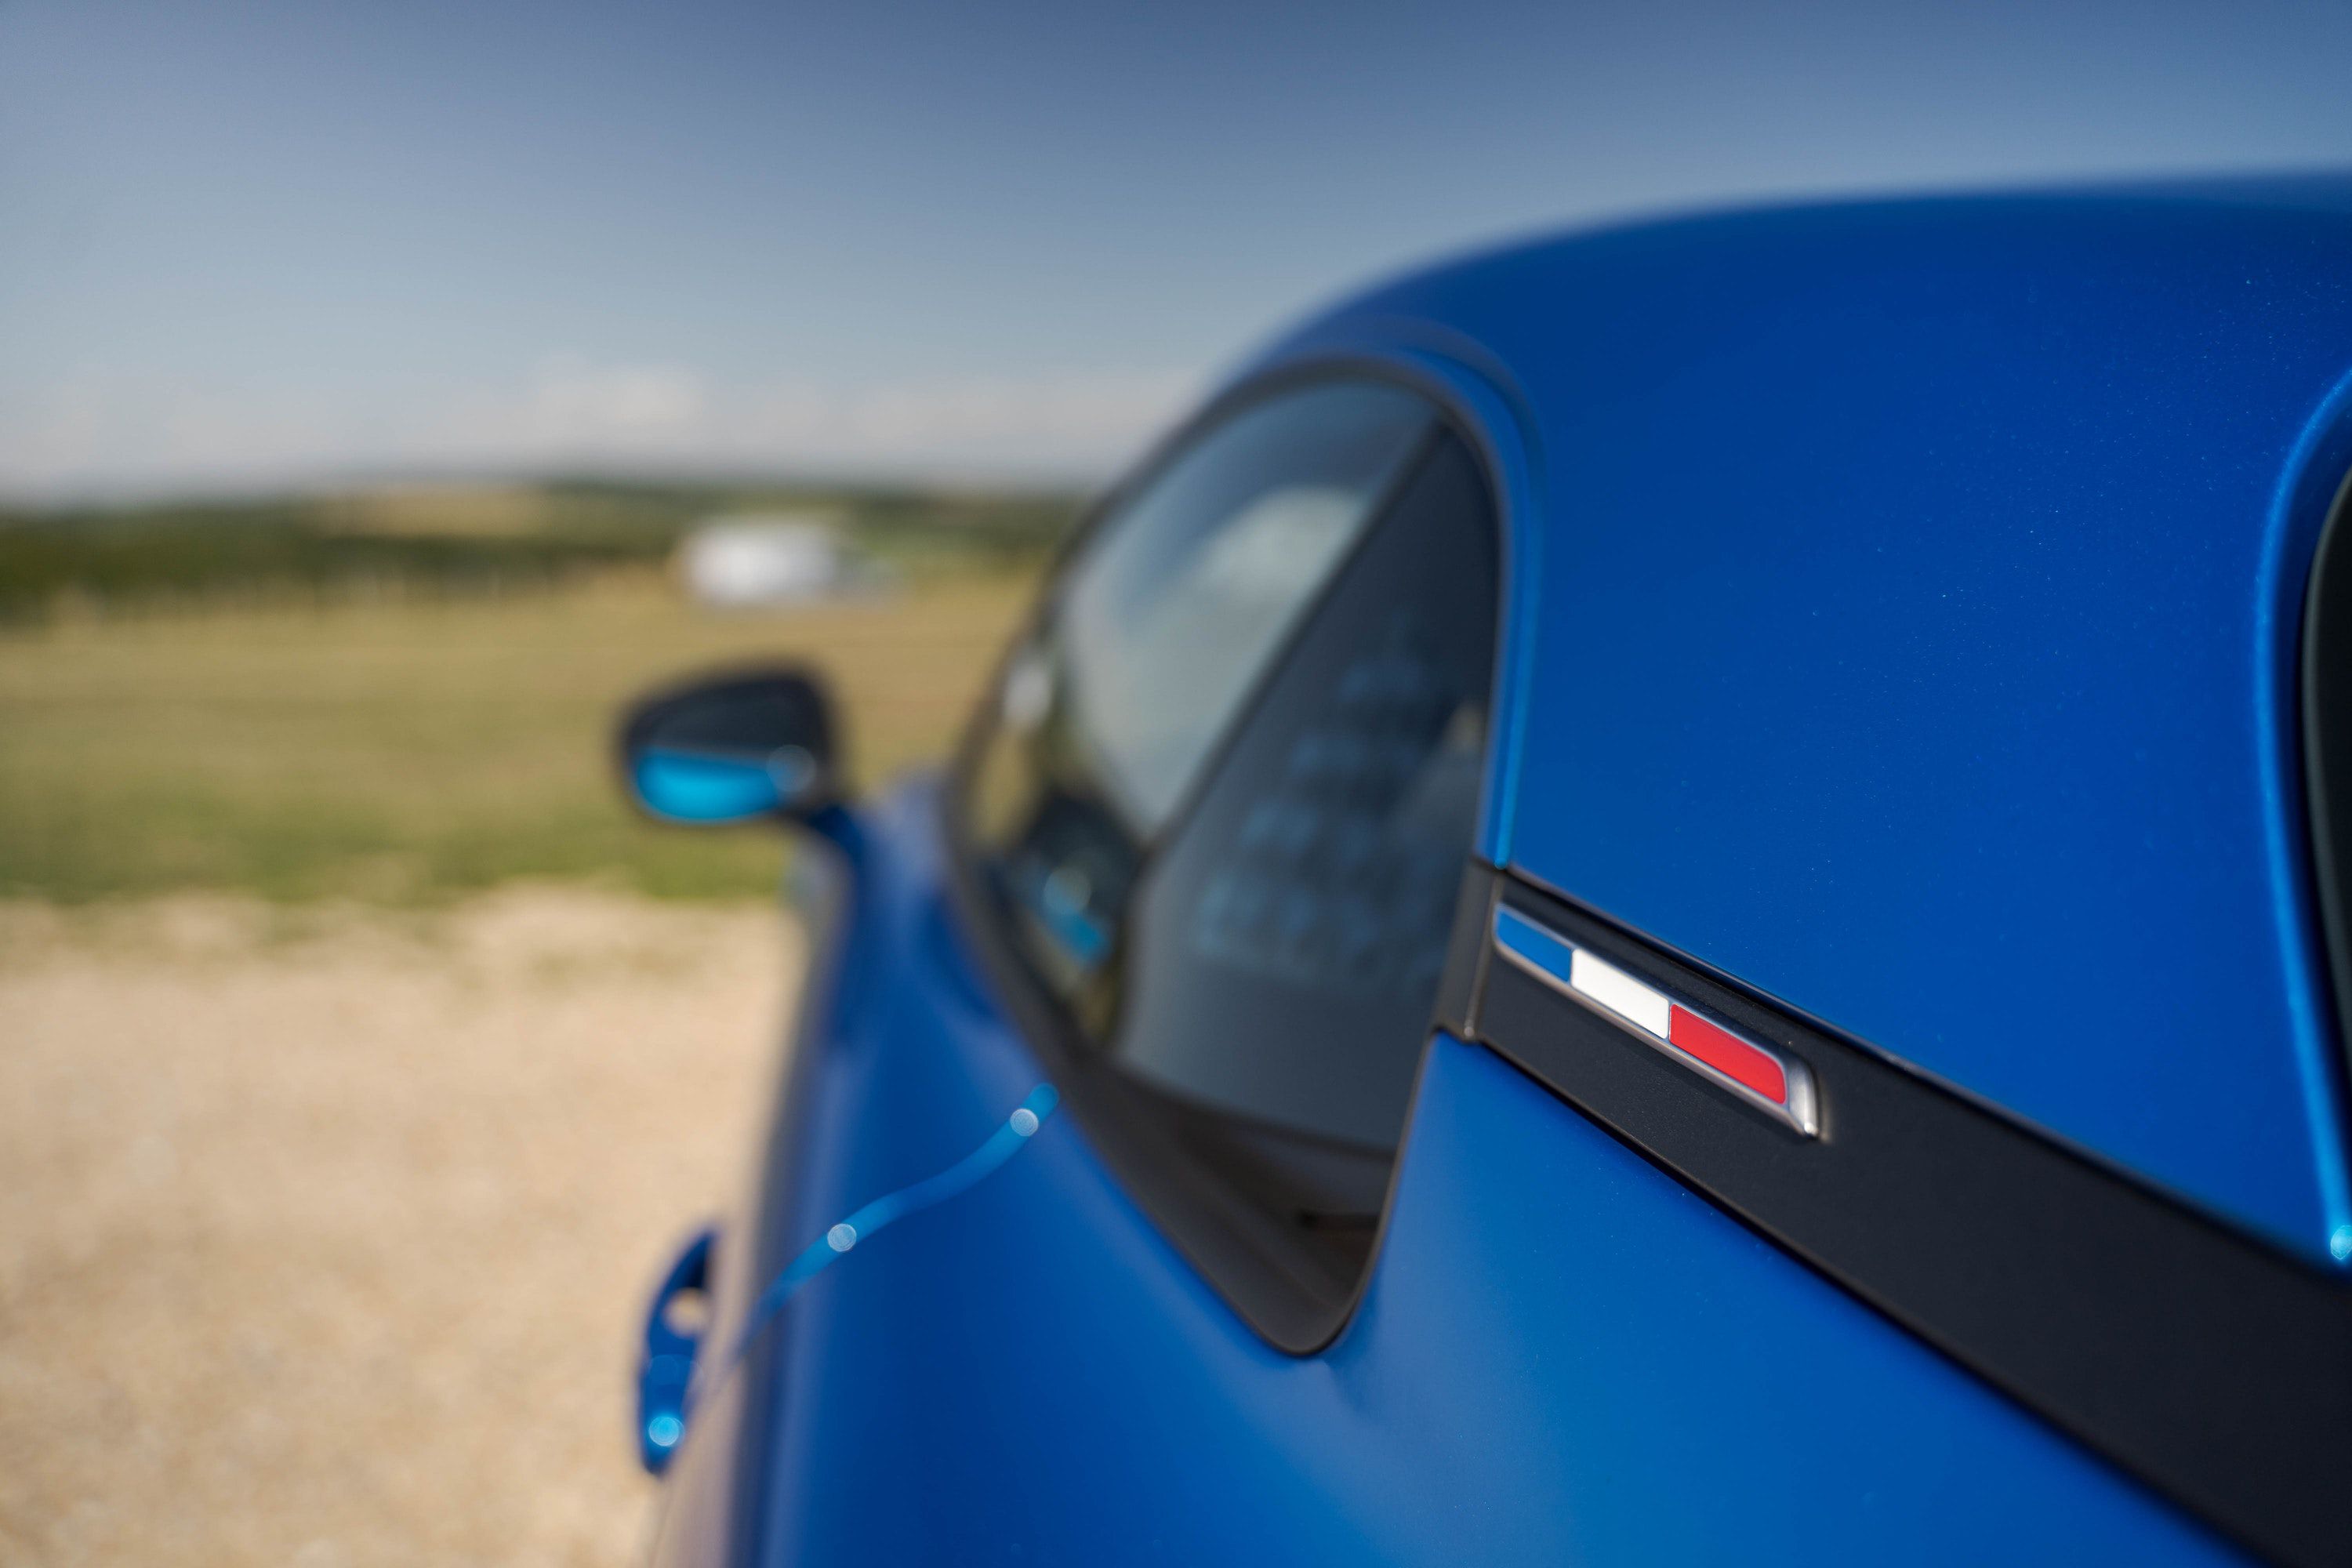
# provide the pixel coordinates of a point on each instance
(732, 746)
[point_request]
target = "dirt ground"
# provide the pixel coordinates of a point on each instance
(324, 1235)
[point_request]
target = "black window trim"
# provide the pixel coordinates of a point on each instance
(2324, 682)
(1140, 1132)
(2206, 1363)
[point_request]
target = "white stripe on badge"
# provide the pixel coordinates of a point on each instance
(1647, 1010)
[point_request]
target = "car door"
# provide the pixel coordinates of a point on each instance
(1294, 1276)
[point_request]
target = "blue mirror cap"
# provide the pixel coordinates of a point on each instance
(709, 788)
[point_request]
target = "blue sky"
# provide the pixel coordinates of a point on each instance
(250, 243)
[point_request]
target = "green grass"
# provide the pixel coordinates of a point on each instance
(404, 752)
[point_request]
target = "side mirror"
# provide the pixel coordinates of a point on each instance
(731, 747)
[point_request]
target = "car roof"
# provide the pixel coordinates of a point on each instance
(1901, 622)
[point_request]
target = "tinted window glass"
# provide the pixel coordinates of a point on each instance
(1174, 609)
(1285, 948)
(1158, 629)
(1220, 807)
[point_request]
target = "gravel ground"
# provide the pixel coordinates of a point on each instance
(322, 1236)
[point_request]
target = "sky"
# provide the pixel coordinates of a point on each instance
(246, 245)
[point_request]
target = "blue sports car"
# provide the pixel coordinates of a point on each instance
(1672, 896)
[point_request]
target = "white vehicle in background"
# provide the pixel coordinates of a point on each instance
(749, 560)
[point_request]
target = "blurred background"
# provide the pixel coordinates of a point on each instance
(387, 391)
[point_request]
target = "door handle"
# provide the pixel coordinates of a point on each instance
(666, 1369)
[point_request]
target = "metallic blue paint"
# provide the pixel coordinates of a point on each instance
(1899, 600)
(1034, 1110)
(1917, 590)
(1563, 1356)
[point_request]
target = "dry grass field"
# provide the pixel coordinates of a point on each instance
(405, 752)
(352, 1088)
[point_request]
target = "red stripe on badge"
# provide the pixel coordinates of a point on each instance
(1728, 1053)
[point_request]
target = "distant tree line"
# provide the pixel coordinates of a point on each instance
(463, 540)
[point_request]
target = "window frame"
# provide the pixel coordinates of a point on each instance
(1150, 1140)
(2323, 692)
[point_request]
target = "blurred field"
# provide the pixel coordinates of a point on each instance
(406, 750)
(352, 1091)
(460, 540)
(323, 1232)
(351, 1086)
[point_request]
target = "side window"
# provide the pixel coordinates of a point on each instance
(1285, 946)
(1149, 642)
(1220, 813)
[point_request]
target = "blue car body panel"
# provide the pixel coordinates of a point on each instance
(1564, 1355)
(1914, 598)
(1899, 603)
